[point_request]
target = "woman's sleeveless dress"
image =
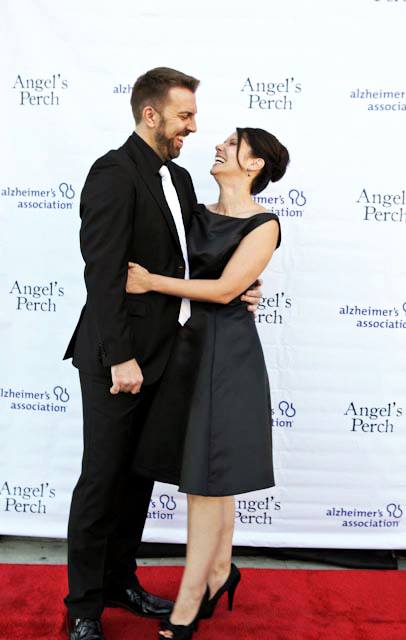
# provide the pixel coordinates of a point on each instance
(209, 427)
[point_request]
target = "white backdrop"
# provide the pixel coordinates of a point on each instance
(327, 78)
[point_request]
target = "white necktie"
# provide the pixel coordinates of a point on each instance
(174, 205)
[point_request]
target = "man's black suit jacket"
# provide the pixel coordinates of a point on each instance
(125, 217)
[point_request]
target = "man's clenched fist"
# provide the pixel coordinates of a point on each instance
(127, 377)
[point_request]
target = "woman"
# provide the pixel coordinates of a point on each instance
(209, 428)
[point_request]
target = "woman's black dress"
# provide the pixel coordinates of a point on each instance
(209, 426)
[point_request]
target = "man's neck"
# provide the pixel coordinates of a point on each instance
(149, 139)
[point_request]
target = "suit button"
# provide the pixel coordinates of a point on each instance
(181, 268)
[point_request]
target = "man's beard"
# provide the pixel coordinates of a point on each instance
(166, 146)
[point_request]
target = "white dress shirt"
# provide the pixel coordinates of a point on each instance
(174, 205)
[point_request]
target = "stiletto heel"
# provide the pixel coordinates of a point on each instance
(209, 605)
(231, 593)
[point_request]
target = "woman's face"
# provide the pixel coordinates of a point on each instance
(226, 163)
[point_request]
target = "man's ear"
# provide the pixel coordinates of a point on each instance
(149, 116)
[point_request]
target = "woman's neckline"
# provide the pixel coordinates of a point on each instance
(223, 215)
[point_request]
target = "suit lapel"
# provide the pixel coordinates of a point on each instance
(152, 183)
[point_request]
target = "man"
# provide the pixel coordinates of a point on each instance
(136, 205)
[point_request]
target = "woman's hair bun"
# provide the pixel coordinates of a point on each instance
(266, 146)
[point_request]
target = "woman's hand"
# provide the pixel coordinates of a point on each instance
(138, 279)
(253, 296)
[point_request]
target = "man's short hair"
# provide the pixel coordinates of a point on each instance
(152, 88)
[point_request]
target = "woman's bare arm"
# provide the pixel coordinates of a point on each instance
(246, 264)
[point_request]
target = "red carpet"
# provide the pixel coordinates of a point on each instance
(270, 604)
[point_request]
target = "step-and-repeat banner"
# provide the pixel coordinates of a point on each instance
(327, 78)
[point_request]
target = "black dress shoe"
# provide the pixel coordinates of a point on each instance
(138, 601)
(84, 629)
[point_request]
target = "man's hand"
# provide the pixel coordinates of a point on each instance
(127, 377)
(253, 296)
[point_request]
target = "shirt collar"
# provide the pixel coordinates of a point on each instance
(153, 159)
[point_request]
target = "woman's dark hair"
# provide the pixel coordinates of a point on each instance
(152, 88)
(266, 146)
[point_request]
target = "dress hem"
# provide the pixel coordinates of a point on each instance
(165, 479)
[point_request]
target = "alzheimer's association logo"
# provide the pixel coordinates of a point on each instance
(290, 205)
(60, 197)
(283, 414)
(375, 317)
(162, 507)
(37, 400)
(371, 517)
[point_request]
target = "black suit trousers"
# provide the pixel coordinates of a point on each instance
(110, 502)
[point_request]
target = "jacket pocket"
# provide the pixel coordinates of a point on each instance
(136, 306)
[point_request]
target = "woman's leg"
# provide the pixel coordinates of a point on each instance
(205, 525)
(221, 565)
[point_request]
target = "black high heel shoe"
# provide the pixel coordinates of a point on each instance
(183, 631)
(179, 631)
(208, 605)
